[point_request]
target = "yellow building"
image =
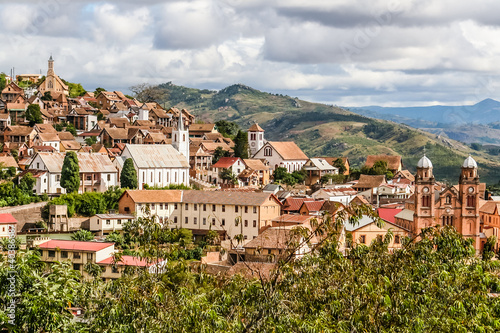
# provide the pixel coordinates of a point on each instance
(366, 231)
(53, 83)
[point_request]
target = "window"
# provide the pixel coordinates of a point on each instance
(255, 223)
(38, 165)
(76, 267)
(119, 221)
(396, 239)
(76, 255)
(254, 210)
(246, 223)
(175, 219)
(109, 178)
(426, 201)
(64, 254)
(268, 251)
(58, 178)
(204, 221)
(268, 151)
(114, 269)
(246, 237)
(362, 239)
(108, 222)
(127, 210)
(213, 221)
(213, 208)
(186, 220)
(448, 199)
(195, 220)
(89, 256)
(246, 209)
(223, 208)
(52, 254)
(195, 206)
(471, 201)
(236, 209)
(161, 206)
(223, 222)
(175, 206)
(187, 206)
(204, 207)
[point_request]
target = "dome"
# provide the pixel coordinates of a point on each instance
(424, 162)
(469, 163)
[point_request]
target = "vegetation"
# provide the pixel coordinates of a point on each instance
(3, 81)
(75, 89)
(33, 114)
(91, 140)
(19, 191)
(98, 91)
(228, 176)
(241, 145)
(128, 176)
(281, 175)
(70, 173)
(47, 96)
(82, 235)
(168, 187)
(227, 128)
(378, 168)
(335, 179)
(146, 93)
(218, 153)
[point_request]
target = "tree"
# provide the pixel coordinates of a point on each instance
(241, 145)
(71, 128)
(33, 114)
(3, 81)
(338, 163)
(128, 177)
(82, 235)
(279, 173)
(47, 96)
(70, 173)
(26, 183)
(227, 128)
(218, 153)
(228, 176)
(145, 92)
(91, 140)
(98, 90)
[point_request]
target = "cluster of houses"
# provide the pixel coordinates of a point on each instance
(252, 215)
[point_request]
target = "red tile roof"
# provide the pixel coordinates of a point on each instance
(75, 245)
(387, 214)
(292, 204)
(313, 206)
(292, 218)
(226, 162)
(255, 128)
(7, 219)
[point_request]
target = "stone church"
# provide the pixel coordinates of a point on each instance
(53, 83)
(434, 204)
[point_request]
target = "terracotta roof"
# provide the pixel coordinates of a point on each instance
(66, 136)
(45, 128)
(75, 245)
(211, 146)
(154, 196)
(157, 137)
(119, 122)
(201, 128)
(361, 199)
(288, 150)
(370, 181)
(71, 145)
(226, 162)
(17, 106)
(126, 261)
(271, 238)
(228, 197)
(293, 204)
(18, 130)
(7, 218)
(117, 133)
(45, 137)
(255, 164)
(406, 174)
(147, 123)
(212, 136)
(255, 128)
(8, 161)
(388, 214)
(313, 206)
(489, 207)
(34, 173)
(292, 218)
(393, 162)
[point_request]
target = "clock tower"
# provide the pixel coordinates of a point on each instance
(424, 197)
(255, 139)
(469, 199)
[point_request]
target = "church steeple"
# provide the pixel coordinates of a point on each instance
(180, 138)
(50, 72)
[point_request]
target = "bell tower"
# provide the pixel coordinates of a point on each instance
(50, 71)
(255, 139)
(469, 199)
(424, 196)
(180, 138)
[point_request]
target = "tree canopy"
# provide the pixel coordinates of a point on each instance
(34, 115)
(241, 144)
(128, 177)
(70, 173)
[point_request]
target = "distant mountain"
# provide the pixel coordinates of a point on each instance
(325, 130)
(484, 112)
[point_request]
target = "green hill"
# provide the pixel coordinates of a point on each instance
(325, 130)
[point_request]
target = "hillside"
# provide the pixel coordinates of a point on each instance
(323, 130)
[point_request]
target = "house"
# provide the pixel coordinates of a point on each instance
(369, 182)
(52, 83)
(199, 130)
(262, 170)
(293, 204)
(112, 269)
(345, 161)
(17, 109)
(104, 224)
(156, 138)
(111, 136)
(82, 119)
(7, 161)
(97, 173)
(282, 154)
(106, 99)
(235, 164)
(44, 128)
(366, 231)
(490, 221)
(394, 163)
(19, 134)
(343, 195)
(309, 207)
(4, 121)
(8, 226)
(11, 93)
(70, 146)
(275, 243)
(48, 139)
(316, 168)
(158, 165)
(227, 212)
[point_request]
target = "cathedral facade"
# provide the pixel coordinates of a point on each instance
(53, 83)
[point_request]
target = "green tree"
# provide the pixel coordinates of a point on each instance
(82, 235)
(3, 81)
(279, 173)
(47, 96)
(241, 145)
(128, 177)
(70, 173)
(218, 153)
(228, 176)
(71, 128)
(227, 128)
(338, 163)
(98, 90)
(27, 183)
(33, 114)
(91, 140)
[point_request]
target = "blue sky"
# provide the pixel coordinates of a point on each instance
(352, 53)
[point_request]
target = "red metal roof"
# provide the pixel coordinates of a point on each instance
(127, 261)
(293, 204)
(226, 162)
(74, 245)
(387, 214)
(7, 218)
(314, 206)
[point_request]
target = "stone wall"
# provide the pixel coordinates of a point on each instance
(25, 214)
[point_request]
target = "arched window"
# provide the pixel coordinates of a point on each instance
(426, 201)
(448, 199)
(471, 201)
(50, 84)
(268, 151)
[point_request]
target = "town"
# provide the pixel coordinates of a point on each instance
(242, 196)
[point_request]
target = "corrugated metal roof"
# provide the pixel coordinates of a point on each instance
(156, 156)
(87, 162)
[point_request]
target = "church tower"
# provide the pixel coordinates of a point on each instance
(424, 196)
(180, 138)
(255, 139)
(50, 71)
(469, 199)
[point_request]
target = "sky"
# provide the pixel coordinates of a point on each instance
(340, 52)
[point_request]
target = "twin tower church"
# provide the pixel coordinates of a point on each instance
(456, 206)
